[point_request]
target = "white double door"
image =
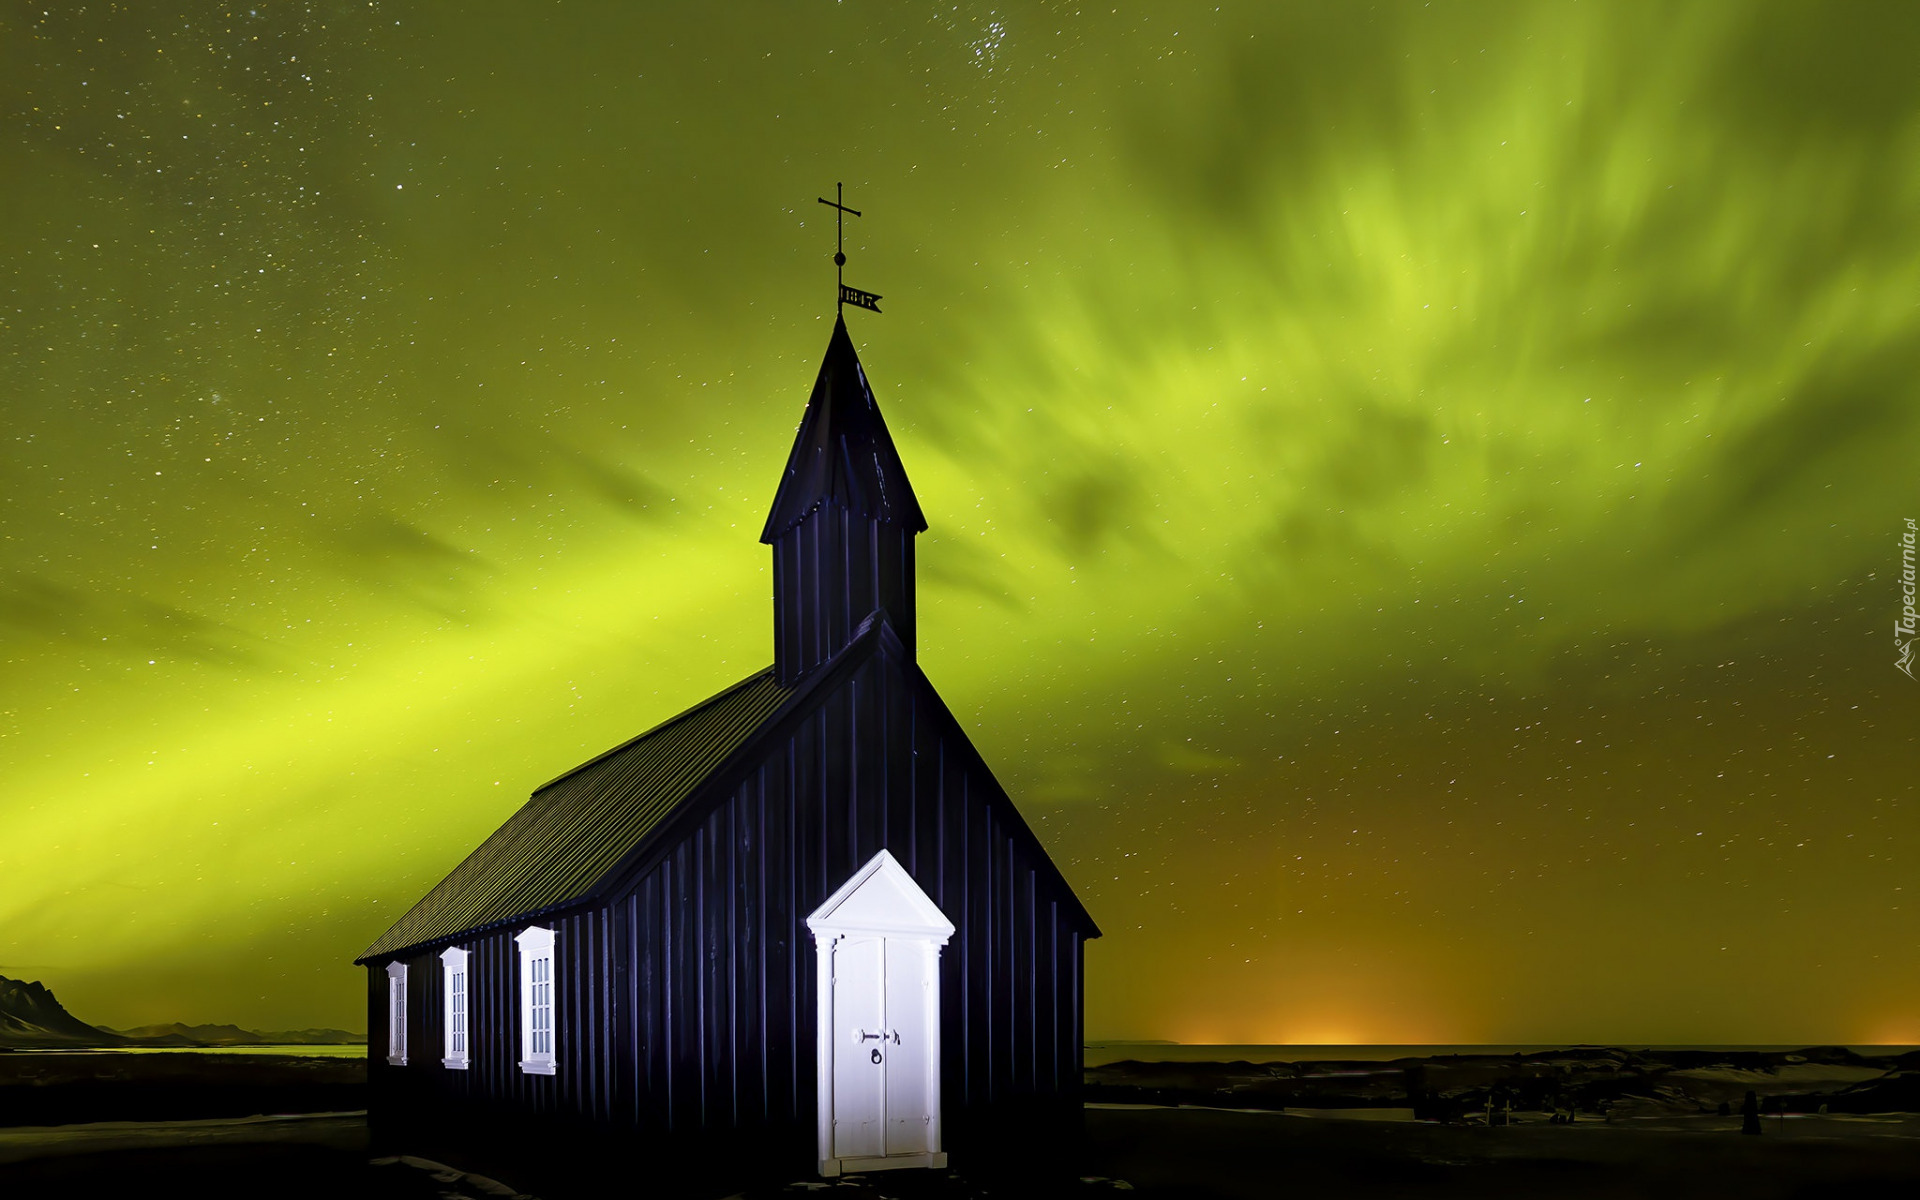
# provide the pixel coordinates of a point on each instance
(885, 1084)
(877, 941)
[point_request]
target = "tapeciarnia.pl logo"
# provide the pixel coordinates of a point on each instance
(1903, 625)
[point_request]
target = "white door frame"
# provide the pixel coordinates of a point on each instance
(892, 907)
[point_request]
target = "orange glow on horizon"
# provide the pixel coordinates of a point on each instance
(1314, 1029)
(1902, 1031)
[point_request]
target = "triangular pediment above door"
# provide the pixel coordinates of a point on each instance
(881, 898)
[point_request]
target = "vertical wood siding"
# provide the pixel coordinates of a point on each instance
(829, 572)
(582, 1087)
(686, 1004)
(723, 964)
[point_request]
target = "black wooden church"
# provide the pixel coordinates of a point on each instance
(799, 921)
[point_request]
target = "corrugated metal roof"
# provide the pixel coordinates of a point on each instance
(575, 829)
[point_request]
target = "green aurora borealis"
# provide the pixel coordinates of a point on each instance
(1415, 489)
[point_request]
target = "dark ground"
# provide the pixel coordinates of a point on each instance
(321, 1156)
(1201, 1153)
(1170, 1153)
(1589, 1082)
(60, 1088)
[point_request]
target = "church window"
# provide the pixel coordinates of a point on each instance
(397, 1013)
(454, 977)
(537, 1004)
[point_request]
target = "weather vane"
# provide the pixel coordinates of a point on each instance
(848, 295)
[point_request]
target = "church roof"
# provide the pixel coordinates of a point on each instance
(580, 833)
(576, 829)
(843, 452)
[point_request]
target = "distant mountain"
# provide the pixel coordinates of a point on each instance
(31, 1019)
(177, 1034)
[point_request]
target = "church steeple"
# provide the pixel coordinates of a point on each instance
(842, 523)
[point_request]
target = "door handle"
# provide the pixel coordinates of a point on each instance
(876, 1054)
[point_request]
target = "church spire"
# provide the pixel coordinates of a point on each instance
(843, 452)
(842, 522)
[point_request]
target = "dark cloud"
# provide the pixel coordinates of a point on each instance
(957, 564)
(402, 558)
(1786, 73)
(536, 461)
(1277, 108)
(1088, 503)
(626, 490)
(1849, 422)
(122, 625)
(1374, 451)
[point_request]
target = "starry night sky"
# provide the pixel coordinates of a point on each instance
(1416, 490)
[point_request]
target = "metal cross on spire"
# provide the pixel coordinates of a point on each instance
(848, 295)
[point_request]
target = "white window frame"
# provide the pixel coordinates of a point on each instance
(539, 1001)
(397, 1014)
(457, 1009)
